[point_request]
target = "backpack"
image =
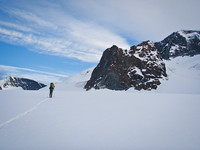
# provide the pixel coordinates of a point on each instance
(52, 85)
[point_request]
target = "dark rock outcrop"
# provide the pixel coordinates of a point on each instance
(181, 43)
(140, 67)
(25, 84)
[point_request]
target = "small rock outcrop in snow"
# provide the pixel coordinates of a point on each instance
(25, 84)
(140, 67)
(181, 43)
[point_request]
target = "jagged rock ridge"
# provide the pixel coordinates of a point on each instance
(181, 43)
(25, 84)
(140, 67)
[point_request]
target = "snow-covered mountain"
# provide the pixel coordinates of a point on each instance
(140, 67)
(183, 76)
(25, 84)
(180, 43)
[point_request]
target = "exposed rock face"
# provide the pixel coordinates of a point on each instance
(26, 84)
(181, 43)
(140, 67)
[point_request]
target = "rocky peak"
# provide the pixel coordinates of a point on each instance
(25, 84)
(140, 67)
(181, 43)
(145, 51)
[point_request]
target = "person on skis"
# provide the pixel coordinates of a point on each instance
(51, 88)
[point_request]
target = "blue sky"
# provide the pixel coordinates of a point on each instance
(46, 40)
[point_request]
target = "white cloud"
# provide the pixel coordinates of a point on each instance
(16, 69)
(41, 76)
(16, 26)
(32, 18)
(11, 33)
(141, 19)
(59, 34)
(81, 47)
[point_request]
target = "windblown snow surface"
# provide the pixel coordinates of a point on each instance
(75, 119)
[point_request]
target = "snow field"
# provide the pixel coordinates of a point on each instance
(183, 76)
(97, 120)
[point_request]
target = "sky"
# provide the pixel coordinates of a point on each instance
(49, 40)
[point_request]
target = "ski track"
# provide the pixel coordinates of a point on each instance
(22, 114)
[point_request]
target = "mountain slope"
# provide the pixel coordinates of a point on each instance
(183, 75)
(181, 43)
(75, 82)
(25, 84)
